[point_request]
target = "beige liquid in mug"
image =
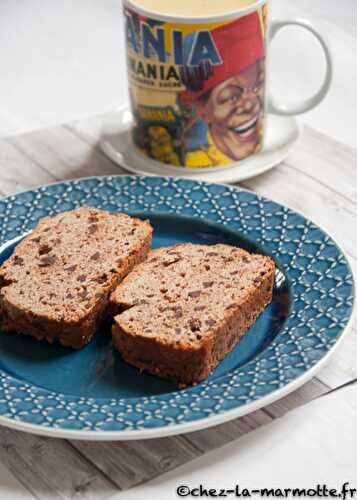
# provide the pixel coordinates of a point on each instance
(193, 8)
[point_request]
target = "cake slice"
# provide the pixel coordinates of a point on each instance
(184, 309)
(57, 283)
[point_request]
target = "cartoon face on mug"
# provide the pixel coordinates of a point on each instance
(233, 111)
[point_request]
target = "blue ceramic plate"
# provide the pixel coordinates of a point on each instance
(93, 394)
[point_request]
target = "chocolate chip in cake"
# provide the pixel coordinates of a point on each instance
(101, 279)
(195, 325)
(178, 312)
(169, 263)
(71, 269)
(83, 294)
(93, 228)
(93, 218)
(47, 260)
(210, 322)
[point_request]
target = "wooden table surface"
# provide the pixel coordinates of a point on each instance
(319, 179)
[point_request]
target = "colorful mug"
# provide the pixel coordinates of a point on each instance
(197, 85)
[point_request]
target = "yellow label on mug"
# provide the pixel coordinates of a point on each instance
(197, 90)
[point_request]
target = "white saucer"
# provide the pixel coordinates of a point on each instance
(282, 135)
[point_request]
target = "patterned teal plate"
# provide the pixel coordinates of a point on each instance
(93, 394)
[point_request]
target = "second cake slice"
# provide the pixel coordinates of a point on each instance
(187, 306)
(56, 284)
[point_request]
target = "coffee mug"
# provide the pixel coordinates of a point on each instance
(197, 79)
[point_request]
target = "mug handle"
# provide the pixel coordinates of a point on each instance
(301, 107)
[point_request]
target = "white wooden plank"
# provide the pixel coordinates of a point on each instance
(18, 172)
(328, 161)
(305, 394)
(10, 487)
(52, 469)
(60, 152)
(209, 439)
(90, 129)
(134, 462)
(131, 463)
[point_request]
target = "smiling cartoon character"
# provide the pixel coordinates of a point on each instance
(230, 101)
